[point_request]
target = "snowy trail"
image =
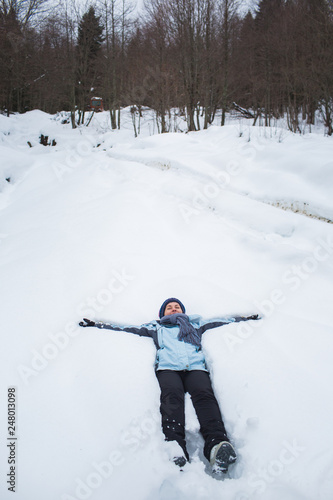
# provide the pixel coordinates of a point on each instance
(111, 238)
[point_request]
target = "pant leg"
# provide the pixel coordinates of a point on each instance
(197, 383)
(172, 406)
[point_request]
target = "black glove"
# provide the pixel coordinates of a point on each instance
(254, 316)
(87, 322)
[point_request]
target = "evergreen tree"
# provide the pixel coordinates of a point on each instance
(90, 34)
(90, 39)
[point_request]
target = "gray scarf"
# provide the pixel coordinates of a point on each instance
(187, 332)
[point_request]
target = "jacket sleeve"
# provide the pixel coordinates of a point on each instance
(144, 331)
(215, 323)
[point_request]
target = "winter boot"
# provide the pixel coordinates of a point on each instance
(221, 456)
(180, 461)
(176, 453)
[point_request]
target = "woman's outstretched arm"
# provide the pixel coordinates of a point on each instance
(144, 331)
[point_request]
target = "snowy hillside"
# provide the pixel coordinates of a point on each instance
(106, 226)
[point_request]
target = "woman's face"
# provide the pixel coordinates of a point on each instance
(172, 308)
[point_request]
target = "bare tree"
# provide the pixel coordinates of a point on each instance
(115, 15)
(187, 27)
(209, 64)
(16, 49)
(24, 10)
(160, 78)
(228, 19)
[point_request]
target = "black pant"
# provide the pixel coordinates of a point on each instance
(174, 385)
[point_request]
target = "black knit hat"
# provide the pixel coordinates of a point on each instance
(166, 302)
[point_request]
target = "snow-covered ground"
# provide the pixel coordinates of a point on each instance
(107, 226)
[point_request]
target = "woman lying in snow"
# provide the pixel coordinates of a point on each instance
(181, 368)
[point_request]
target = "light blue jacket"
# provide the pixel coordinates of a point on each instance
(174, 354)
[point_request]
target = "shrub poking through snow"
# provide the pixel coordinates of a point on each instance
(44, 140)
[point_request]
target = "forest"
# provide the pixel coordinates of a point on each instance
(197, 56)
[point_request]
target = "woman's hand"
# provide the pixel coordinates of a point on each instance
(87, 322)
(254, 316)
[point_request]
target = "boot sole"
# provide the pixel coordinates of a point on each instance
(225, 457)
